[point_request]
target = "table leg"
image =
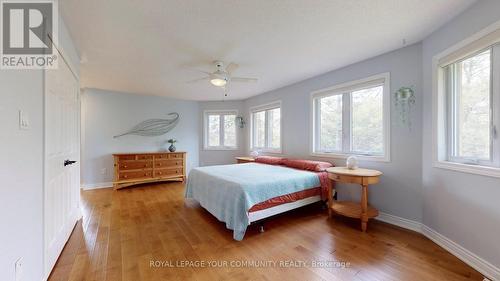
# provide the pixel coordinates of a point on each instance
(330, 202)
(364, 207)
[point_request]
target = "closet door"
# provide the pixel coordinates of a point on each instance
(62, 160)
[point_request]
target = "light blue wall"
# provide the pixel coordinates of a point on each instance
(463, 207)
(106, 114)
(399, 192)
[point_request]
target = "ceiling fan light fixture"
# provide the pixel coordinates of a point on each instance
(219, 82)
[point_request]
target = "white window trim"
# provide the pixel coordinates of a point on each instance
(386, 118)
(262, 107)
(439, 114)
(205, 130)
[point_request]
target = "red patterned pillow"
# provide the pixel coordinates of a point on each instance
(308, 165)
(270, 160)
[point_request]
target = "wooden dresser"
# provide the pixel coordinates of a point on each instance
(136, 168)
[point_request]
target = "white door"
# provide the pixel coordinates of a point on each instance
(62, 160)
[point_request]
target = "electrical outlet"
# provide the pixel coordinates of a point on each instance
(24, 120)
(19, 269)
(104, 171)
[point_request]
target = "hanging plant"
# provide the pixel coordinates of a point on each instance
(404, 99)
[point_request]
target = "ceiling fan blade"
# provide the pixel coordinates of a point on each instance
(232, 67)
(197, 80)
(202, 71)
(243, 79)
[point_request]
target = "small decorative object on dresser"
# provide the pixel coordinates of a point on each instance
(242, 160)
(137, 168)
(352, 162)
(172, 147)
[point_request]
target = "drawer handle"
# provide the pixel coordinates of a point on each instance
(125, 176)
(159, 173)
(125, 166)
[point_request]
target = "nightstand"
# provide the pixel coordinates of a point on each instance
(360, 210)
(241, 160)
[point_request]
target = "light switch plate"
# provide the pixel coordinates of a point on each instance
(24, 121)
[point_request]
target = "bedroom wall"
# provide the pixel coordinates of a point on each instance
(461, 206)
(399, 192)
(221, 157)
(107, 113)
(21, 166)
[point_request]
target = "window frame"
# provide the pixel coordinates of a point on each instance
(441, 143)
(266, 108)
(220, 113)
(345, 89)
(451, 112)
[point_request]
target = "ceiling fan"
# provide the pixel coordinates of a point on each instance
(222, 75)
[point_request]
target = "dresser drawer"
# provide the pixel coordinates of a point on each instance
(168, 163)
(161, 156)
(135, 175)
(134, 165)
(144, 157)
(126, 157)
(168, 172)
(175, 155)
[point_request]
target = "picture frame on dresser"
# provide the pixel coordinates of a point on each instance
(137, 168)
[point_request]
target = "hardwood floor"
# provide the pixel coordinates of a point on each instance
(122, 232)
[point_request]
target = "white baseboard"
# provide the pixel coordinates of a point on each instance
(476, 262)
(487, 269)
(399, 221)
(97, 185)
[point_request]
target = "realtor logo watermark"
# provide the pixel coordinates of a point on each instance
(29, 31)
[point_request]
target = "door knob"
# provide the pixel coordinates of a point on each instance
(68, 162)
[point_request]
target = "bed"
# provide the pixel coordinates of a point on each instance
(241, 194)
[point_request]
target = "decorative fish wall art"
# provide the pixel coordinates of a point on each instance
(153, 127)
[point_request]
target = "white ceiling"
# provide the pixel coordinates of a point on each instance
(152, 47)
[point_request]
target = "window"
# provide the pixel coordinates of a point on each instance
(220, 130)
(466, 105)
(352, 118)
(266, 128)
(470, 94)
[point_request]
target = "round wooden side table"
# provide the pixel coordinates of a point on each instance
(361, 210)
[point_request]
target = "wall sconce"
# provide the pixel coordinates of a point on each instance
(240, 122)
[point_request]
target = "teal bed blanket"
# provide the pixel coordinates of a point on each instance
(229, 191)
